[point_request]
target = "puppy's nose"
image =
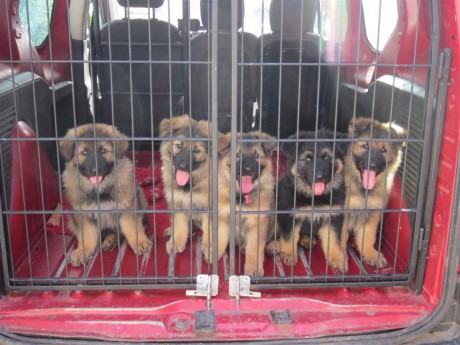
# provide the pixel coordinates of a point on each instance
(182, 166)
(319, 175)
(372, 166)
(247, 169)
(94, 170)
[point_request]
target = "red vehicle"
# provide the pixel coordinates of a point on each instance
(279, 66)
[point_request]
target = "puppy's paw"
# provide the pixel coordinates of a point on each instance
(110, 242)
(207, 253)
(144, 245)
(77, 258)
(340, 264)
(176, 247)
(289, 259)
(375, 259)
(273, 248)
(305, 241)
(168, 232)
(250, 269)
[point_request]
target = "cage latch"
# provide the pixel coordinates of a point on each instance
(206, 286)
(240, 286)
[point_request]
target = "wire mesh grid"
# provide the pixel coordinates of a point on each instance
(288, 168)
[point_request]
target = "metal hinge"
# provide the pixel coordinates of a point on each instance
(206, 286)
(421, 237)
(240, 286)
(424, 240)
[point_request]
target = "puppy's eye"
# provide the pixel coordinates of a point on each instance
(327, 157)
(84, 153)
(238, 155)
(196, 150)
(179, 146)
(383, 149)
(307, 158)
(365, 146)
(102, 150)
(256, 155)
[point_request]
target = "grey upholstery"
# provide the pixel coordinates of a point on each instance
(141, 3)
(140, 89)
(291, 41)
(201, 73)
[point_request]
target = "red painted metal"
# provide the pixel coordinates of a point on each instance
(57, 46)
(152, 315)
(435, 269)
(26, 193)
(413, 47)
(15, 45)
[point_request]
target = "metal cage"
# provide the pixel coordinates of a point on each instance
(287, 80)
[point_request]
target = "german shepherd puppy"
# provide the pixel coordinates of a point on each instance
(99, 177)
(187, 181)
(313, 182)
(254, 192)
(370, 167)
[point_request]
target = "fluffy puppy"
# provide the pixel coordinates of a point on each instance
(99, 178)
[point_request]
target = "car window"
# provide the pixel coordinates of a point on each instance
(257, 17)
(334, 20)
(380, 18)
(35, 17)
(171, 11)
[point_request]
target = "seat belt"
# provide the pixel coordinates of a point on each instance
(96, 55)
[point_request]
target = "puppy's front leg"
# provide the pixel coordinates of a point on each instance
(87, 236)
(179, 231)
(256, 238)
(134, 231)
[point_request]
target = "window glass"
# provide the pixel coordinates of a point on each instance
(35, 17)
(253, 10)
(380, 18)
(171, 11)
(334, 20)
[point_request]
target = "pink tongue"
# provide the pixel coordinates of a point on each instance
(96, 179)
(182, 177)
(369, 179)
(246, 184)
(319, 188)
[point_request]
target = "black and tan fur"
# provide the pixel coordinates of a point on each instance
(103, 161)
(254, 192)
(365, 158)
(191, 158)
(313, 182)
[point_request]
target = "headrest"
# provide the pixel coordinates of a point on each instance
(292, 15)
(224, 10)
(141, 3)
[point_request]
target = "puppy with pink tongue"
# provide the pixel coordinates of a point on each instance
(312, 189)
(371, 164)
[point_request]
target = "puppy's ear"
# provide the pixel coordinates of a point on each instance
(168, 127)
(67, 147)
(341, 146)
(224, 141)
(165, 128)
(203, 127)
(269, 143)
(360, 125)
(396, 132)
(289, 147)
(121, 146)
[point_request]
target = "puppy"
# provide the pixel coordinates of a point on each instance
(98, 177)
(312, 185)
(370, 167)
(254, 192)
(187, 181)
